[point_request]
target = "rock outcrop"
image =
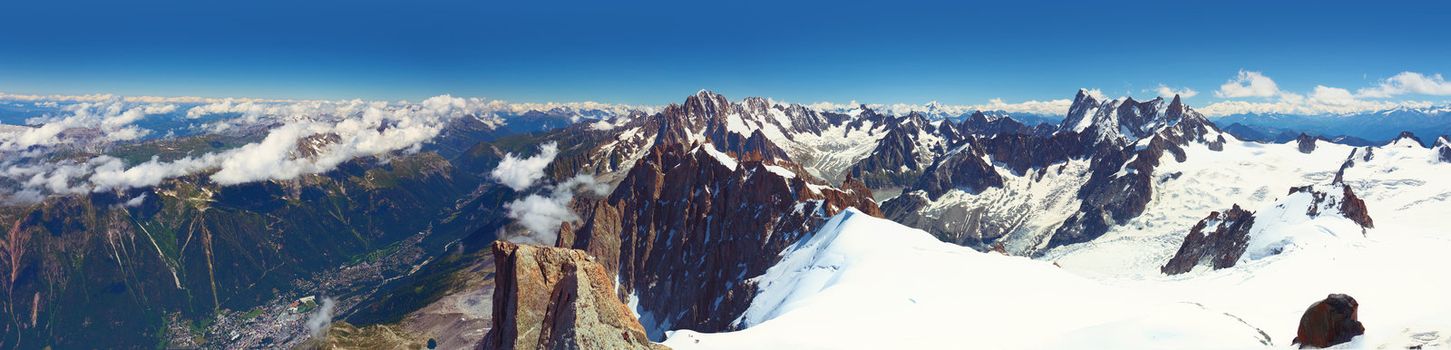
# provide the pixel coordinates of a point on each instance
(557, 298)
(1329, 322)
(1443, 149)
(1217, 241)
(1345, 203)
(1305, 143)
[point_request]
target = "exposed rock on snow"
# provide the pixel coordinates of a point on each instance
(1221, 240)
(1443, 149)
(1328, 322)
(1217, 241)
(1305, 143)
(556, 298)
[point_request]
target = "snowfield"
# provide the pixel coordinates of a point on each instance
(868, 283)
(864, 282)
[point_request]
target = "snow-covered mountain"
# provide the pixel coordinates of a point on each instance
(720, 226)
(867, 283)
(1375, 127)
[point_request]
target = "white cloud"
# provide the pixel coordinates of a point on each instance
(542, 215)
(107, 120)
(319, 323)
(136, 202)
(1248, 84)
(1166, 91)
(1408, 83)
(1322, 100)
(520, 173)
(332, 132)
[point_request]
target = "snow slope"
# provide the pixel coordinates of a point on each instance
(868, 283)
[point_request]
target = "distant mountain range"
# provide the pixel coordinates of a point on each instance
(1360, 129)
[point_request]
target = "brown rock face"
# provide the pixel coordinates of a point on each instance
(556, 298)
(1218, 241)
(1329, 322)
(684, 230)
(1354, 208)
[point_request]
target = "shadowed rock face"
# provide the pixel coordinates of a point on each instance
(557, 298)
(1329, 322)
(899, 157)
(1443, 149)
(684, 231)
(703, 208)
(1353, 208)
(964, 169)
(1218, 241)
(1306, 143)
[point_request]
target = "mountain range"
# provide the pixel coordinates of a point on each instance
(715, 223)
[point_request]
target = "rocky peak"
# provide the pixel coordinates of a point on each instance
(982, 124)
(1406, 139)
(557, 298)
(1081, 112)
(1306, 143)
(1443, 149)
(964, 168)
(1120, 121)
(688, 225)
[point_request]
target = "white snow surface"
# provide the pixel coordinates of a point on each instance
(724, 159)
(868, 283)
(863, 282)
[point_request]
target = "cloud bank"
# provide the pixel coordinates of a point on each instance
(1322, 99)
(1408, 83)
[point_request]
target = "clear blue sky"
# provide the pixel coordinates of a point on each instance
(658, 52)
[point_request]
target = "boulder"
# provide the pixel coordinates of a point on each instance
(1329, 322)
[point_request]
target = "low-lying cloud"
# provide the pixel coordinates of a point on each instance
(332, 133)
(319, 322)
(104, 121)
(520, 173)
(542, 214)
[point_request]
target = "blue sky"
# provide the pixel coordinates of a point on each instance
(657, 52)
